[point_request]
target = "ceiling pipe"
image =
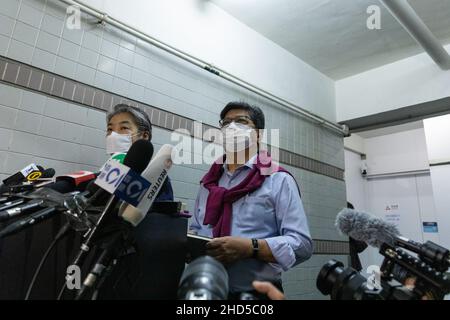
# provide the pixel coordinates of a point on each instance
(402, 11)
(105, 18)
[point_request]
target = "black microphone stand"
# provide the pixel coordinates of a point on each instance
(87, 244)
(101, 266)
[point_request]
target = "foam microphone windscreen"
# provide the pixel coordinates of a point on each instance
(48, 173)
(365, 227)
(139, 155)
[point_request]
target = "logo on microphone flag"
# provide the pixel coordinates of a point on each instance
(34, 175)
(132, 188)
(111, 175)
(120, 157)
(121, 181)
(29, 169)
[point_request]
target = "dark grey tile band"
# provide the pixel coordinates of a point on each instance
(440, 163)
(29, 77)
(331, 247)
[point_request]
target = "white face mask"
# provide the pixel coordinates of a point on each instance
(118, 143)
(237, 137)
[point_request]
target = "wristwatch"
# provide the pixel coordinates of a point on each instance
(255, 248)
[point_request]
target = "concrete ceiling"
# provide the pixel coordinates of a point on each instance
(332, 36)
(390, 130)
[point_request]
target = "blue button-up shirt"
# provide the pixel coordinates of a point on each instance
(274, 212)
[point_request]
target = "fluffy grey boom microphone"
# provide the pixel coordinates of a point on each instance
(365, 227)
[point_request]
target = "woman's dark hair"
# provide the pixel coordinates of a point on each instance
(140, 118)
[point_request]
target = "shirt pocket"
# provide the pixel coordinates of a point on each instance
(255, 201)
(256, 211)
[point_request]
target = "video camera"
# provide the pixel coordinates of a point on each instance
(402, 276)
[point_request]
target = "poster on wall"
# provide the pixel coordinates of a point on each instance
(430, 227)
(392, 214)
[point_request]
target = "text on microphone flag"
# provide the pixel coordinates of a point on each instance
(123, 182)
(132, 188)
(111, 175)
(29, 169)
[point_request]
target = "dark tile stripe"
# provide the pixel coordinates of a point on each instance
(30, 77)
(331, 247)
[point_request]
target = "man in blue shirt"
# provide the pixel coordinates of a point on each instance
(256, 217)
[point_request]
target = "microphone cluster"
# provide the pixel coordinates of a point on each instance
(102, 206)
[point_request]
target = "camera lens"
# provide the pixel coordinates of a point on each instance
(341, 283)
(204, 279)
(328, 275)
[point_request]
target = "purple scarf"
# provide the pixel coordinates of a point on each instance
(219, 208)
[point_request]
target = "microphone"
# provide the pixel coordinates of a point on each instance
(29, 173)
(44, 179)
(365, 227)
(76, 181)
(72, 203)
(62, 184)
(109, 253)
(35, 218)
(11, 204)
(137, 159)
(48, 173)
(156, 174)
(99, 196)
(79, 179)
(23, 179)
(16, 211)
(376, 232)
(39, 198)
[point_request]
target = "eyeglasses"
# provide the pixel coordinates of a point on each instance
(245, 120)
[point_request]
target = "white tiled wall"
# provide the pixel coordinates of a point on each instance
(49, 132)
(67, 137)
(114, 61)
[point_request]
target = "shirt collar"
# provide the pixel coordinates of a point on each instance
(249, 164)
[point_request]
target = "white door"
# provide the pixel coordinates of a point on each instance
(396, 200)
(427, 207)
(406, 201)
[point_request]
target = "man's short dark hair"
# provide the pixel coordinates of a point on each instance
(254, 112)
